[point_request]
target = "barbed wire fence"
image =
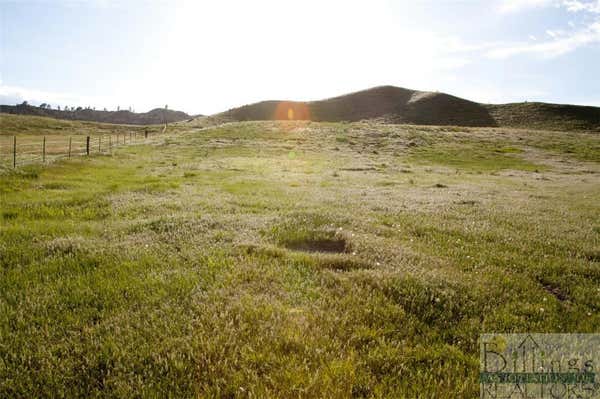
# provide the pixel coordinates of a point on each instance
(16, 151)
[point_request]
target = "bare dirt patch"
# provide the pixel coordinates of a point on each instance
(327, 245)
(557, 292)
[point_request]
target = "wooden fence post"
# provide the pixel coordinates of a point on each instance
(14, 151)
(70, 147)
(110, 143)
(87, 145)
(99, 144)
(44, 150)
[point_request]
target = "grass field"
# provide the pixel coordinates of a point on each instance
(266, 259)
(43, 140)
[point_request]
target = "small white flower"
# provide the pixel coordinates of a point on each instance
(542, 310)
(437, 300)
(545, 299)
(589, 313)
(377, 263)
(354, 253)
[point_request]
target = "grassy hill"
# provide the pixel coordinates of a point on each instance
(398, 105)
(155, 116)
(546, 116)
(11, 124)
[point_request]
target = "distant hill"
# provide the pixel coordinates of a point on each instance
(546, 116)
(398, 105)
(156, 116)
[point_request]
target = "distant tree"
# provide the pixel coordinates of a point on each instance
(94, 108)
(104, 109)
(118, 108)
(78, 109)
(58, 107)
(43, 105)
(130, 108)
(24, 103)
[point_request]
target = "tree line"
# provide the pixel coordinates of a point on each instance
(71, 109)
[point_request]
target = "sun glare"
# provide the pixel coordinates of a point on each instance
(291, 110)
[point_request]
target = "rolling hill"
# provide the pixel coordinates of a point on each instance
(153, 117)
(387, 104)
(399, 105)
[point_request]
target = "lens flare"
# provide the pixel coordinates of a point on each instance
(291, 111)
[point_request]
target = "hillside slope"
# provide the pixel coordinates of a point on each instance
(153, 117)
(546, 116)
(399, 105)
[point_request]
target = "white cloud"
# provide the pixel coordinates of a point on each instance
(555, 33)
(511, 6)
(560, 45)
(559, 41)
(577, 5)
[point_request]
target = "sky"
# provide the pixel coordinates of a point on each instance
(203, 57)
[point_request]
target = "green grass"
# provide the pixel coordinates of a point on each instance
(189, 267)
(474, 157)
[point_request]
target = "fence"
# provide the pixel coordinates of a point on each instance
(17, 151)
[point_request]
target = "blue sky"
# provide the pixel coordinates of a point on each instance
(208, 56)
